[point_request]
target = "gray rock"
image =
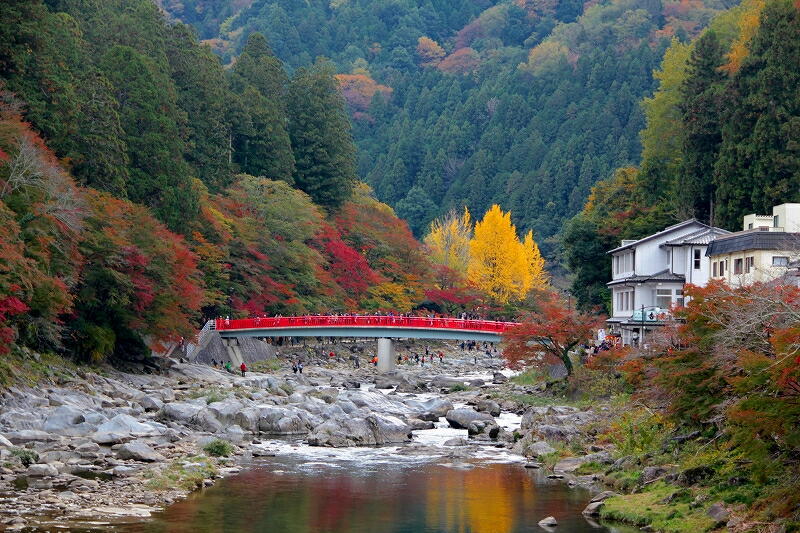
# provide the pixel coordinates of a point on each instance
(41, 470)
(563, 433)
(5, 443)
(593, 509)
(499, 378)
(30, 435)
(123, 471)
(370, 430)
(456, 441)
(121, 428)
(550, 521)
(718, 512)
(139, 451)
(437, 407)
(180, 411)
(650, 473)
(489, 406)
(417, 424)
(446, 381)
(462, 418)
(603, 496)
(151, 403)
(64, 421)
(226, 410)
(539, 448)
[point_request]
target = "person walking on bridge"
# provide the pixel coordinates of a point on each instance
(243, 368)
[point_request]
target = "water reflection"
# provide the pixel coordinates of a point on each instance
(295, 498)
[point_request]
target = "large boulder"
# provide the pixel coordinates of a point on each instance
(41, 470)
(444, 382)
(180, 411)
(24, 436)
(121, 428)
(488, 406)
(461, 418)
(68, 420)
(499, 378)
(139, 451)
(368, 431)
(226, 410)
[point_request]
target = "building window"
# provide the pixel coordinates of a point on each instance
(780, 261)
(750, 226)
(722, 268)
(714, 269)
(679, 297)
(697, 259)
(664, 298)
(748, 264)
(775, 221)
(738, 266)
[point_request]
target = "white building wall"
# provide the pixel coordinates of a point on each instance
(788, 217)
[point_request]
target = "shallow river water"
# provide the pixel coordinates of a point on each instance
(381, 494)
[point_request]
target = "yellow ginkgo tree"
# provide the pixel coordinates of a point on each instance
(448, 240)
(500, 265)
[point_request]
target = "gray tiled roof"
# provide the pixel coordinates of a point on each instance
(700, 237)
(664, 275)
(662, 232)
(754, 240)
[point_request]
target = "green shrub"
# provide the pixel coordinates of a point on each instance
(218, 448)
(458, 387)
(639, 433)
(26, 457)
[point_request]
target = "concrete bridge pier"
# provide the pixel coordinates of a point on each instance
(234, 353)
(386, 356)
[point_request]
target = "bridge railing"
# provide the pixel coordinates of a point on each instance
(362, 321)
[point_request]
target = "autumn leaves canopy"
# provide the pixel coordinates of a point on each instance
(490, 256)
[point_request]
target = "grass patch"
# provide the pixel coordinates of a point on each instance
(186, 474)
(218, 448)
(26, 457)
(590, 467)
(458, 387)
(25, 367)
(531, 376)
(267, 366)
(211, 395)
(647, 509)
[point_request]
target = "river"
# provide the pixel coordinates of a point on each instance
(379, 490)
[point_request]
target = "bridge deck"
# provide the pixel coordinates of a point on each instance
(364, 326)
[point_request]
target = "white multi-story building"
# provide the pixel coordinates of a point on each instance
(649, 274)
(766, 249)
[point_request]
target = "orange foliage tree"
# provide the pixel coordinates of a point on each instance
(547, 335)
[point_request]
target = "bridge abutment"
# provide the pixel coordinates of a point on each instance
(386, 355)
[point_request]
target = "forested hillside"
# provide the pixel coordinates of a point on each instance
(143, 187)
(721, 140)
(525, 103)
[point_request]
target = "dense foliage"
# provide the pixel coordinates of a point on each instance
(143, 187)
(721, 141)
(523, 103)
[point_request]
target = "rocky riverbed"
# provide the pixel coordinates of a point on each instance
(112, 444)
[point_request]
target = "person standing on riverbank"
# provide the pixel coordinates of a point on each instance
(243, 368)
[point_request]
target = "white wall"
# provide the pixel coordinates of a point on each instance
(788, 217)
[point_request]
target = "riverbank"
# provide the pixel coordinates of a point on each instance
(100, 446)
(86, 445)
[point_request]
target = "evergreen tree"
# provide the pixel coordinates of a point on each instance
(261, 141)
(203, 95)
(759, 162)
(320, 132)
(700, 116)
(152, 122)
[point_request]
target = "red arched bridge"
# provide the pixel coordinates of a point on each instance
(382, 327)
